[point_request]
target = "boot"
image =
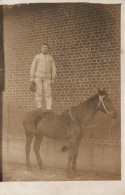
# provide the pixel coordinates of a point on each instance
(39, 109)
(49, 110)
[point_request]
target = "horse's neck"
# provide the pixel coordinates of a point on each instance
(87, 110)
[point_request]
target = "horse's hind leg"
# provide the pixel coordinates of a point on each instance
(38, 140)
(29, 138)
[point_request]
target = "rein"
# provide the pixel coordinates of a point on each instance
(74, 119)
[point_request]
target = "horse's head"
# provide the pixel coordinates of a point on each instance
(105, 104)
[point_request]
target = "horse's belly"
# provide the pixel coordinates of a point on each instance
(56, 129)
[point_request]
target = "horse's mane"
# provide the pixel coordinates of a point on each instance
(80, 106)
(91, 99)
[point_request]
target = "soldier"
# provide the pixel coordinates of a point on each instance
(42, 74)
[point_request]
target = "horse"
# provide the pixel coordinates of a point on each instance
(70, 126)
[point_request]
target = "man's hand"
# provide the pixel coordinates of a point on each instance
(32, 86)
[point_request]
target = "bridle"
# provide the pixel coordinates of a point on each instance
(101, 101)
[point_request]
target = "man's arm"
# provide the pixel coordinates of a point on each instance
(33, 69)
(53, 69)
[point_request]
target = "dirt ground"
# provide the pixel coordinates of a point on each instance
(18, 172)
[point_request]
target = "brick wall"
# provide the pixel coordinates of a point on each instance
(84, 40)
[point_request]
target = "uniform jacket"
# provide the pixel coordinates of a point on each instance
(43, 66)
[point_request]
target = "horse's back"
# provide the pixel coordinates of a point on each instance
(53, 126)
(48, 124)
(30, 121)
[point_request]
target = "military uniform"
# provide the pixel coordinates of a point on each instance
(42, 71)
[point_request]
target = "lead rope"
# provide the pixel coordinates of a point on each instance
(83, 133)
(101, 100)
(73, 118)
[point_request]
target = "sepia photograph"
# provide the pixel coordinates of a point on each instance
(60, 92)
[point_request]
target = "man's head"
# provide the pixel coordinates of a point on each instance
(44, 48)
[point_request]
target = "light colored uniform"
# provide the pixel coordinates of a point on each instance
(42, 71)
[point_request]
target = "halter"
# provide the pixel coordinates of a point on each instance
(101, 101)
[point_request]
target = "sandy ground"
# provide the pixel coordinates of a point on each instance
(18, 172)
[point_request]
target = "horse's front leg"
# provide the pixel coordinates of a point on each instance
(72, 145)
(29, 138)
(69, 167)
(37, 143)
(75, 171)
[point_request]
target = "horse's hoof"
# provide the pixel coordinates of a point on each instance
(41, 167)
(29, 169)
(76, 174)
(70, 175)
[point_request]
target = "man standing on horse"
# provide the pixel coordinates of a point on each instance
(42, 74)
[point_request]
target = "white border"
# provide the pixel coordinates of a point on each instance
(77, 187)
(10, 2)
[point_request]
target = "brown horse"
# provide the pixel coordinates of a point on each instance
(70, 125)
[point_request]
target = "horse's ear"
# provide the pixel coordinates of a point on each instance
(98, 91)
(105, 91)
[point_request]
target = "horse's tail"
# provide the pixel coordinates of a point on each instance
(64, 148)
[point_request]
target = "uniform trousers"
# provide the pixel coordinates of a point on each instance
(43, 87)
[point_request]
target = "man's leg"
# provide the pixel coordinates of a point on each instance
(38, 93)
(47, 93)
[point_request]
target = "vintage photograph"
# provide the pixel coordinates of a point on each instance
(60, 92)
